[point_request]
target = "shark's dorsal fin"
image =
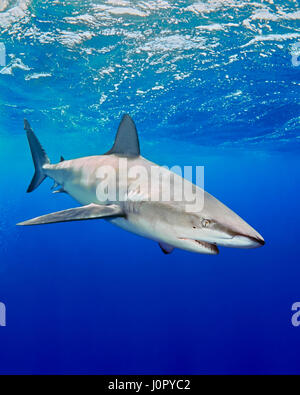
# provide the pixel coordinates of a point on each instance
(127, 141)
(62, 159)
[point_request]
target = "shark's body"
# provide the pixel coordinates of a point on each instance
(167, 222)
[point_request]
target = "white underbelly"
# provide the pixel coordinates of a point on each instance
(140, 228)
(84, 196)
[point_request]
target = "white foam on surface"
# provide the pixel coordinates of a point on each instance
(210, 6)
(79, 19)
(154, 5)
(70, 39)
(36, 76)
(127, 11)
(4, 5)
(9, 16)
(120, 10)
(267, 15)
(119, 3)
(212, 27)
(272, 37)
(173, 42)
(15, 63)
(149, 48)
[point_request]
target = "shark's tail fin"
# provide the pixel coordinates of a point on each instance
(39, 157)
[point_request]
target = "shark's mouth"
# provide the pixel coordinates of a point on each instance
(203, 246)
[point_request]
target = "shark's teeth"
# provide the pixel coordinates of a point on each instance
(207, 247)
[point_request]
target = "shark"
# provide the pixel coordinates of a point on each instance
(168, 222)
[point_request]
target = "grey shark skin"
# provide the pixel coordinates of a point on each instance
(167, 222)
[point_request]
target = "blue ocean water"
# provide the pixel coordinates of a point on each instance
(212, 83)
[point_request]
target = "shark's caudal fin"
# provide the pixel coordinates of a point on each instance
(127, 141)
(39, 157)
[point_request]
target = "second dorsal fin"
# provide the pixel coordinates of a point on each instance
(127, 141)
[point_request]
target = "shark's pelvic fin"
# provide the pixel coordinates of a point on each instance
(55, 185)
(166, 248)
(127, 141)
(39, 157)
(60, 190)
(92, 211)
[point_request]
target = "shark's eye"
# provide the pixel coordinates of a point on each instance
(205, 223)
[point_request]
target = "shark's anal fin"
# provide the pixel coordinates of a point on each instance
(166, 248)
(92, 211)
(127, 141)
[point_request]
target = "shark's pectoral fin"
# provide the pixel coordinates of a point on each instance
(166, 248)
(92, 211)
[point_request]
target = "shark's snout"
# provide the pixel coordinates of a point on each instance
(237, 239)
(242, 241)
(226, 228)
(240, 235)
